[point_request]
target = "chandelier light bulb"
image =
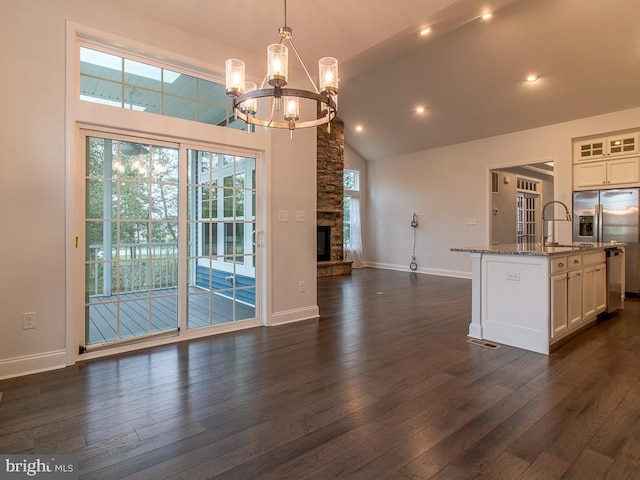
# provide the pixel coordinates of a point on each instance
(234, 70)
(250, 107)
(292, 109)
(277, 64)
(277, 67)
(328, 72)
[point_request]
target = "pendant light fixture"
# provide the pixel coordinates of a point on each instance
(284, 111)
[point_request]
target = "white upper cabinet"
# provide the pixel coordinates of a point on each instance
(606, 173)
(609, 161)
(611, 146)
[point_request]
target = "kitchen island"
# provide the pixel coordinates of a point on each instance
(530, 296)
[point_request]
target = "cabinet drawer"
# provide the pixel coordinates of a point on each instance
(593, 258)
(558, 264)
(574, 261)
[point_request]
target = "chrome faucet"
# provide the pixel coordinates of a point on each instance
(545, 234)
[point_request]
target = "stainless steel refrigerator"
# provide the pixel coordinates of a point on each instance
(606, 215)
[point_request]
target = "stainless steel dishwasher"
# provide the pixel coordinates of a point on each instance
(614, 279)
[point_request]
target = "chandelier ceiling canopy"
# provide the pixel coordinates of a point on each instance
(246, 94)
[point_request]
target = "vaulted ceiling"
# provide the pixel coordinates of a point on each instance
(468, 73)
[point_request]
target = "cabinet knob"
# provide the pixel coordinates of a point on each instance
(561, 265)
(576, 261)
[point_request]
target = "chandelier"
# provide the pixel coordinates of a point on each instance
(246, 94)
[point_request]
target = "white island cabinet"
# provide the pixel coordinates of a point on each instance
(529, 296)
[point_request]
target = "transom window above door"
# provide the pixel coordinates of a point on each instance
(118, 81)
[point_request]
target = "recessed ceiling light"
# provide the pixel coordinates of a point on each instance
(532, 77)
(359, 128)
(421, 109)
(425, 31)
(487, 16)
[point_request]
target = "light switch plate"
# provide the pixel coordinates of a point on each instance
(300, 216)
(283, 216)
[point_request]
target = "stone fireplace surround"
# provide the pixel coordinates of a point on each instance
(330, 187)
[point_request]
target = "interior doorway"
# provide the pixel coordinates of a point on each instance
(516, 196)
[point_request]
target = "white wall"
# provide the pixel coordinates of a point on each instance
(32, 186)
(448, 186)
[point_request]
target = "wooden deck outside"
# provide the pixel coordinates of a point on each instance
(134, 313)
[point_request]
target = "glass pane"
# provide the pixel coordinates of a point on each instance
(142, 99)
(204, 201)
(99, 158)
(229, 242)
(132, 160)
(164, 165)
(133, 239)
(103, 322)
(93, 279)
(240, 194)
(165, 233)
(198, 311)
(228, 202)
(94, 233)
(202, 268)
(222, 306)
(164, 313)
(95, 207)
(99, 64)
(165, 202)
(134, 318)
(142, 74)
(216, 194)
(179, 107)
(133, 201)
(245, 304)
(164, 268)
(214, 115)
(179, 84)
(212, 93)
(100, 91)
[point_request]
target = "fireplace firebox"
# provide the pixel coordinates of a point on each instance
(324, 243)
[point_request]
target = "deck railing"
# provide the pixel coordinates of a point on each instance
(135, 267)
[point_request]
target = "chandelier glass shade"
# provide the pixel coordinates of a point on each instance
(285, 102)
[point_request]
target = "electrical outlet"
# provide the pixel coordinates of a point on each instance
(302, 286)
(28, 320)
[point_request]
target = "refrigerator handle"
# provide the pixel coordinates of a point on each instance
(600, 222)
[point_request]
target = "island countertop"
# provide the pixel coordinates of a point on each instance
(536, 249)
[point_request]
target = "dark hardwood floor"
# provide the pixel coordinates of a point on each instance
(383, 386)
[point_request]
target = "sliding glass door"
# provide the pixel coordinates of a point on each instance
(134, 286)
(222, 235)
(131, 231)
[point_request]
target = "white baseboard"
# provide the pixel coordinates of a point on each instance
(427, 271)
(28, 364)
(291, 316)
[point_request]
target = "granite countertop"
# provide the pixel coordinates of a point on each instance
(536, 249)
